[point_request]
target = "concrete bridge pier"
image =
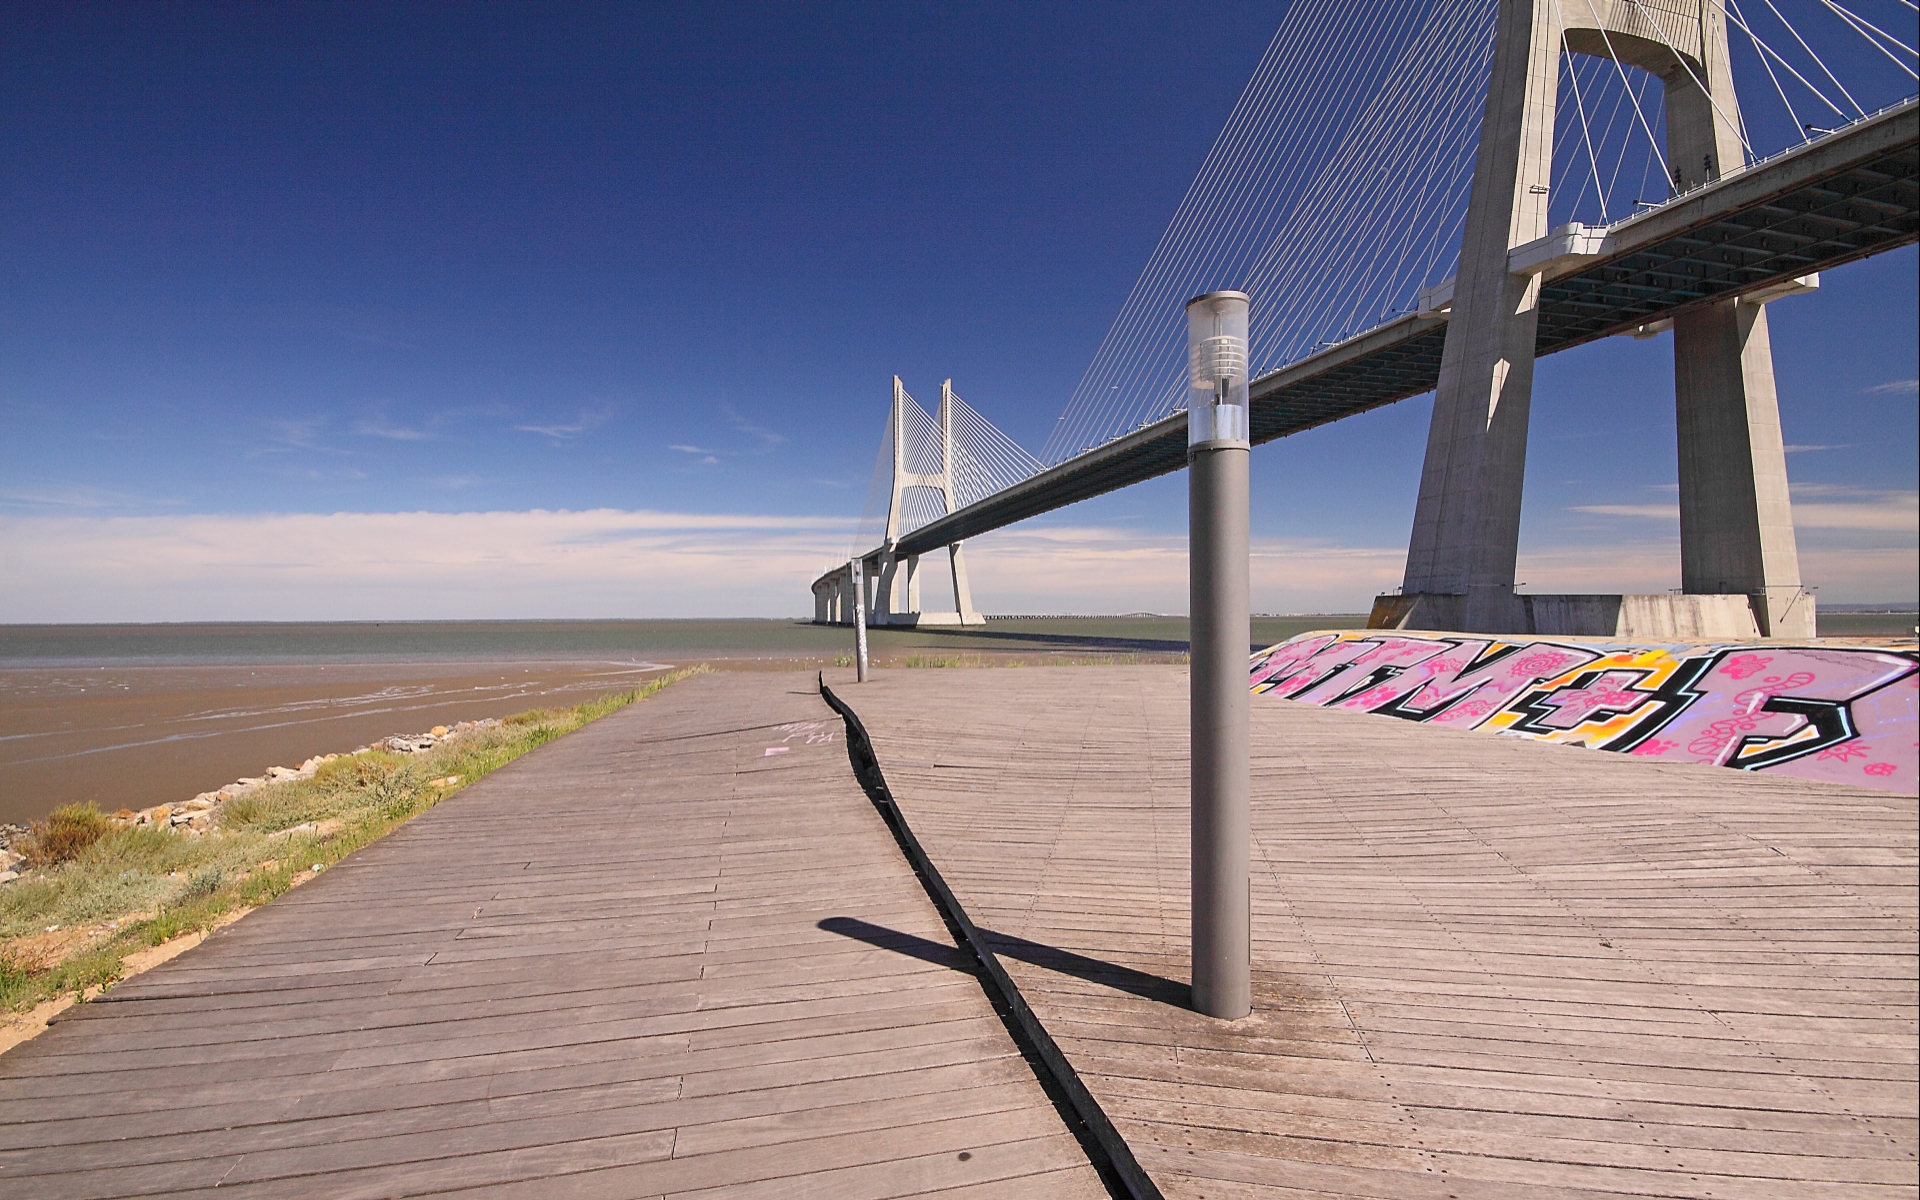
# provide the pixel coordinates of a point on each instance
(1736, 519)
(1739, 565)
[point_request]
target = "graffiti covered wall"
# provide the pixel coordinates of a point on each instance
(1841, 714)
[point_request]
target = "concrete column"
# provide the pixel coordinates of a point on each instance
(1466, 529)
(885, 584)
(913, 583)
(962, 593)
(1703, 112)
(1217, 547)
(1736, 518)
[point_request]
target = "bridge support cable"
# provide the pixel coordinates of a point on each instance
(1320, 84)
(1875, 35)
(1832, 31)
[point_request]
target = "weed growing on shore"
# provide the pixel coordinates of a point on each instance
(65, 835)
(107, 892)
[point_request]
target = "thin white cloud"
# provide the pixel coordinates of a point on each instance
(1895, 387)
(1802, 491)
(85, 566)
(340, 566)
(1667, 512)
(1862, 508)
(297, 433)
(396, 433)
(77, 497)
(1846, 506)
(560, 432)
(767, 438)
(1805, 449)
(1843, 574)
(1892, 515)
(1082, 568)
(588, 419)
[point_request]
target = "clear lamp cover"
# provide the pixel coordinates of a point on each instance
(1217, 369)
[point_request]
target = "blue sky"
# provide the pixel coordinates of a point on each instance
(291, 293)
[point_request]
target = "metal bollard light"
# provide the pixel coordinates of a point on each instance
(1218, 450)
(859, 619)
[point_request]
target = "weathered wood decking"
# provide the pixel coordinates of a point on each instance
(598, 972)
(1483, 968)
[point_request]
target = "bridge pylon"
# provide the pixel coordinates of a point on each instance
(1740, 571)
(892, 588)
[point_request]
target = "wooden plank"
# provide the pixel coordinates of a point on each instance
(607, 956)
(1482, 966)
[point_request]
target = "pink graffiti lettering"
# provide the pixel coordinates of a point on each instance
(1610, 692)
(1742, 665)
(1720, 737)
(1707, 703)
(1771, 686)
(1283, 659)
(1843, 752)
(1543, 666)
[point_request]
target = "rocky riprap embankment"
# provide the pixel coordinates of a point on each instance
(10, 863)
(199, 814)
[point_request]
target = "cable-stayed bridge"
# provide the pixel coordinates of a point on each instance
(1426, 252)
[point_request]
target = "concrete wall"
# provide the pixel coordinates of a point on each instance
(1657, 617)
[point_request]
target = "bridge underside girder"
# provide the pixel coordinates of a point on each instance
(1851, 195)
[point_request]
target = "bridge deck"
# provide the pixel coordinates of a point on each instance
(1483, 968)
(597, 972)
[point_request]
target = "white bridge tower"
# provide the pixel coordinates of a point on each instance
(888, 575)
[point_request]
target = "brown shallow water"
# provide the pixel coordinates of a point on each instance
(133, 736)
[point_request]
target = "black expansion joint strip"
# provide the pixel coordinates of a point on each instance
(1109, 1153)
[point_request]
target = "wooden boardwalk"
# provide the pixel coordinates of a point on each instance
(601, 971)
(1483, 968)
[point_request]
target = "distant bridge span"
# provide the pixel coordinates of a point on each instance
(1850, 195)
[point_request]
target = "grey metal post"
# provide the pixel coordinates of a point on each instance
(859, 620)
(1218, 450)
